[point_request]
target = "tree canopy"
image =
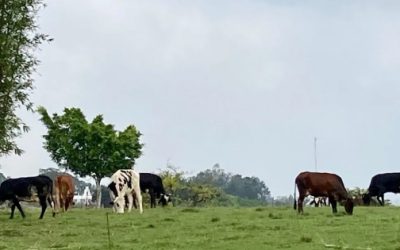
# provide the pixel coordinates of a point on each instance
(87, 148)
(19, 37)
(245, 187)
(214, 187)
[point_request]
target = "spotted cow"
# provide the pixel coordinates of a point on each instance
(125, 182)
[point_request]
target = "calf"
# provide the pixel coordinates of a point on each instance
(322, 184)
(381, 184)
(123, 183)
(38, 188)
(65, 189)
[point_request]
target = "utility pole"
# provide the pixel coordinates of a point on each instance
(315, 153)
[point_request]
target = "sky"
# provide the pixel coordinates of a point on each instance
(245, 84)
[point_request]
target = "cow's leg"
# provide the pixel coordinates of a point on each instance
(134, 201)
(12, 211)
(139, 199)
(62, 203)
(300, 204)
(152, 199)
(381, 199)
(130, 201)
(42, 201)
(16, 204)
(52, 204)
(333, 204)
(68, 202)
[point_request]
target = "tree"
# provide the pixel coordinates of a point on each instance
(215, 177)
(18, 40)
(248, 187)
(91, 149)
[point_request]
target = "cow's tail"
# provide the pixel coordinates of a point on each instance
(294, 197)
(50, 199)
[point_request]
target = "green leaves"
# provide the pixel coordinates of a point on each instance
(18, 41)
(95, 149)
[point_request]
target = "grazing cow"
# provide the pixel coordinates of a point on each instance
(123, 183)
(38, 188)
(153, 183)
(64, 189)
(381, 184)
(322, 184)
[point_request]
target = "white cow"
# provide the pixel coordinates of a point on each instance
(125, 182)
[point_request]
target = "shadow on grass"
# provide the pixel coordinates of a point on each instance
(190, 210)
(274, 216)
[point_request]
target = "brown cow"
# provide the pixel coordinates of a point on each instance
(322, 184)
(64, 189)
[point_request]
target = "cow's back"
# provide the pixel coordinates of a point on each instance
(121, 181)
(151, 181)
(25, 187)
(65, 185)
(319, 184)
(390, 181)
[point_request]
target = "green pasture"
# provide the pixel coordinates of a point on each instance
(204, 228)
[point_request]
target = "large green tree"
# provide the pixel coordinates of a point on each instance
(87, 148)
(19, 38)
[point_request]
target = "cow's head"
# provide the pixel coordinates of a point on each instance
(348, 206)
(117, 201)
(164, 199)
(118, 205)
(366, 199)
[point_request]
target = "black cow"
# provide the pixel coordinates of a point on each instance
(153, 184)
(38, 188)
(381, 184)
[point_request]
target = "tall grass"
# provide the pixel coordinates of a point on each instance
(205, 228)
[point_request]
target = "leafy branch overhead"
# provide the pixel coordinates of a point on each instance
(18, 41)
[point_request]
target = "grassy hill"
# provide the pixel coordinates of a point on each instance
(205, 228)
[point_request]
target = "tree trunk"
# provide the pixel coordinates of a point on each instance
(98, 192)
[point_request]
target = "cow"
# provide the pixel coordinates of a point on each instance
(64, 189)
(322, 184)
(153, 183)
(123, 183)
(381, 184)
(37, 188)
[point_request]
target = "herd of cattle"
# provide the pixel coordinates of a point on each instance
(125, 190)
(127, 184)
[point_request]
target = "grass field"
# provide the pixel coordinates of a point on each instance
(205, 228)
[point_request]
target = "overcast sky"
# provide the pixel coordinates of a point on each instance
(246, 84)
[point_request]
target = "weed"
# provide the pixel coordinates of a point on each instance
(305, 239)
(215, 219)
